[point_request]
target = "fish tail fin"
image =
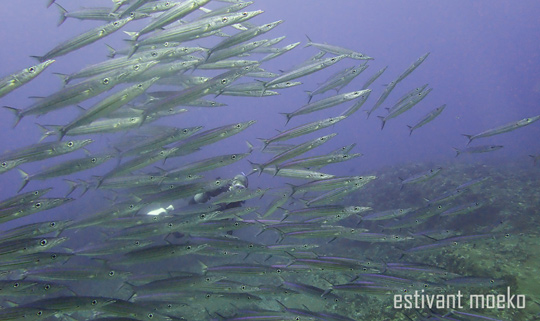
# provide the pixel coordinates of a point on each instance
(383, 121)
(133, 34)
(310, 95)
(47, 132)
(17, 112)
(112, 51)
(309, 42)
(457, 151)
(72, 186)
(255, 168)
(534, 159)
(39, 58)
(288, 115)
(65, 78)
(133, 50)
(469, 137)
(410, 130)
(63, 12)
(25, 177)
(265, 142)
(50, 3)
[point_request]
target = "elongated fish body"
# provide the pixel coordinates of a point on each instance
(122, 62)
(97, 13)
(412, 67)
(32, 207)
(374, 77)
(77, 93)
(175, 13)
(211, 136)
(244, 36)
(278, 52)
(427, 118)
(478, 149)
(212, 85)
(318, 161)
(207, 164)
(14, 81)
(405, 106)
(338, 80)
(337, 50)
(293, 152)
(305, 70)
(383, 97)
(422, 177)
(65, 168)
(84, 39)
(504, 128)
(195, 29)
(24, 198)
(358, 104)
(325, 103)
(134, 5)
(302, 130)
(148, 145)
(241, 49)
(34, 230)
(108, 105)
(45, 150)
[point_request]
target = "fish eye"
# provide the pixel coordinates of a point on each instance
(233, 156)
(47, 286)
(333, 59)
(70, 144)
(53, 256)
(506, 235)
(94, 160)
(491, 281)
(169, 305)
(218, 182)
(185, 131)
(4, 164)
(116, 22)
(207, 295)
(223, 81)
(37, 205)
(224, 19)
(16, 285)
(250, 245)
(111, 273)
(150, 315)
(31, 69)
(131, 206)
(39, 313)
(52, 224)
(455, 243)
(105, 81)
(136, 67)
(244, 13)
(203, 215)
(43, 242)
(94, 302)
(439, 207)
(154, 54)
(354, 70)
(278, 270)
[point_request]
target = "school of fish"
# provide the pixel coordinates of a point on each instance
(287, 252)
